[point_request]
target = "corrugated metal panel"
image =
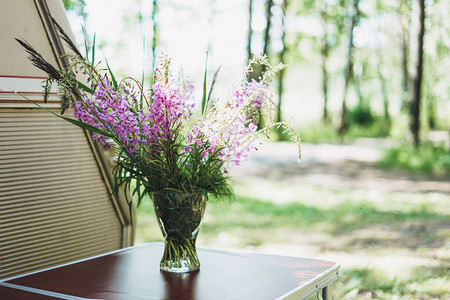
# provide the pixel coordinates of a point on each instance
(54, 205)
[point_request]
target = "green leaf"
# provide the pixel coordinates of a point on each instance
(85, 126)
(86, 46)
(113, 78)
(204, 97)
(212, 85)
(141, 98)
(84, 87)
(93, 51)
(75, 122)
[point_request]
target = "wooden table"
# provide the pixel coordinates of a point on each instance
(133, 273)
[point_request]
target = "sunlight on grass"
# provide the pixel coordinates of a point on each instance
(422, 284)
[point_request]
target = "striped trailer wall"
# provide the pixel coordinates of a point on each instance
(55, 183)
(53, 202)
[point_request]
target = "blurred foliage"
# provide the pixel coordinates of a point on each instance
(363, 123)
(366, 126)
(319, 133)
(361, 116)
(377, 56)
(428, 158)
(379, 128)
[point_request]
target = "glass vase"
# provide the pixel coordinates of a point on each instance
(179, 215)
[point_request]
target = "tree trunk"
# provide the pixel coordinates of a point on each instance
(321, 5)
(380, 74)
(250, 30)
(356, 83)
(155, 33)
(382, 80)
(416, 68)
(259, 69)
(348, 70)
(431, 111)
(404, 22)
(269, 5)
(282, 55)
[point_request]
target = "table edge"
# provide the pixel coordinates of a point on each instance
(50, 294)
(65, 264)
(311, 287)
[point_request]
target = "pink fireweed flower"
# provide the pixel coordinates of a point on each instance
(138, 128)
(172, 103)
(227, 132)
(229, 129)
(186, 90)
(260, 91)
(166, 109)
(109, 110)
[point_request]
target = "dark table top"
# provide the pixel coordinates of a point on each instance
(133, 273)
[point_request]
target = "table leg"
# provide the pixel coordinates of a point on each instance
(326, 293)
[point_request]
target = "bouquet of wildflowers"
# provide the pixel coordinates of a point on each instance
(159, 146)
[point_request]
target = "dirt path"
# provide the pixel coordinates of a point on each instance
(336, 166)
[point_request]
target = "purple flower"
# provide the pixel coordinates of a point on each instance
(227, 132)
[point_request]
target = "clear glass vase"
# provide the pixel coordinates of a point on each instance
(179, 215)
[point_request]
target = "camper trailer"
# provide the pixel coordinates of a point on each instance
(56, 201)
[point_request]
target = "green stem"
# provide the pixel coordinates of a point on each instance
(180, 254)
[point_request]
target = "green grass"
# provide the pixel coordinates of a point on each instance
(428, 158)
(319, 132)
(341, 218)
(424, 283)
(378, 129)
